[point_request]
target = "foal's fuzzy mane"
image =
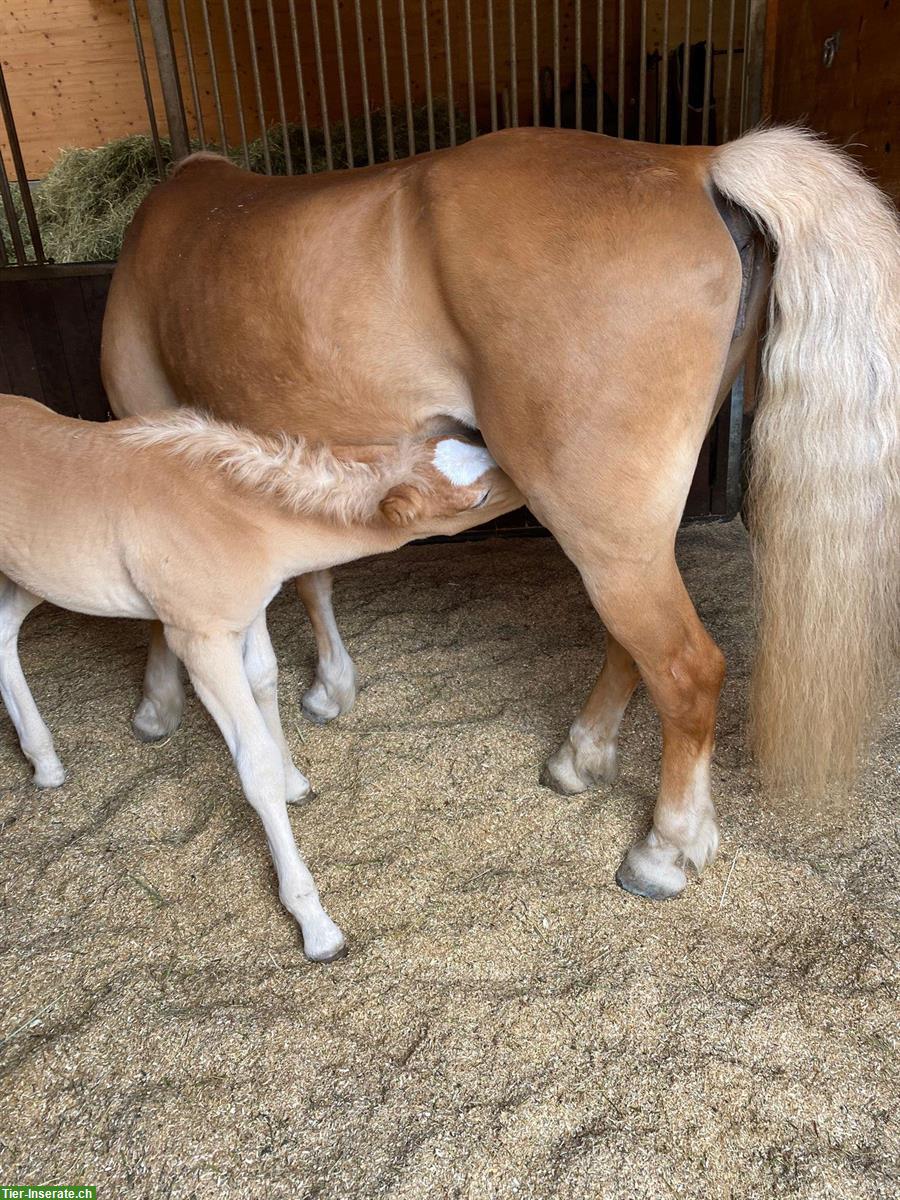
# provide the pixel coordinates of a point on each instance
(300, 477)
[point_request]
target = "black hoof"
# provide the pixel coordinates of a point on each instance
(631, 883)
(150, 739)
(314, 718)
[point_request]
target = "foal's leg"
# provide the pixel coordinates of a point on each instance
(34, 736)
(261, 666)
(159, 713)
(334, 689)
(589, 755)
(216, 668)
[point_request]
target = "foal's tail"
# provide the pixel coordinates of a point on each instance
(825, 490)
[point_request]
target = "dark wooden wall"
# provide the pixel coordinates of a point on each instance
(50, 338)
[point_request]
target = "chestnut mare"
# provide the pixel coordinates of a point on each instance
(578, 300)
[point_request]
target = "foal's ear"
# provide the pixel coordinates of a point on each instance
(403, 505)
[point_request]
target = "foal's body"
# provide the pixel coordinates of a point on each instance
(137, 519)
(578, 299)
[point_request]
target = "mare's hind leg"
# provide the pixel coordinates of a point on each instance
(159, 713)
(261, 666)
(334, 689)
(216, 668)
(589, 755)
(34, 736)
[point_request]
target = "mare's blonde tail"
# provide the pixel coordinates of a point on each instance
(825, 489)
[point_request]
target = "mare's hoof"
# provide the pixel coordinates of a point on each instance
(148, 725)
(317, 718)
(642, 874)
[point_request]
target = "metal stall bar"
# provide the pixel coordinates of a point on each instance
(642, 98)
(364, 83)
(535, 73)
(492, 68)
(664, 79)
(301, 89)
(473, 117)
(686, 71)
(192, 74)
(279, 90)
(451, 101)
(342, 81)
(708, 72)
(12, 218)
(214, 72)
(729, 64)
(579, 98)
(735, 440)
(429, 95)
(557, 98)
(620, 130)
(754, 58)
(600, 52)
(382, 50)
(170, 82)
(145, 80)
(21, 175)
(320, 74)
(407, 85)
(513, 67)
(745, 64)
(235, 79)
(257, 87)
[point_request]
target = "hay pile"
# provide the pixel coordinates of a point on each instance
(88, 197)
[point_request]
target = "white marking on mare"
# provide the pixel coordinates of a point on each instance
(461, 462)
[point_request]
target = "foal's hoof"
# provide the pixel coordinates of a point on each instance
(569, 772)
(324, 945)
(315, 716)
(650, 873)
(52, 776)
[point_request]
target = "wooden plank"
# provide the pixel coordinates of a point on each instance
(81, 348)
(39, 314)
(23, 377)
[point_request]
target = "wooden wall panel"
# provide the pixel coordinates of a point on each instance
(72, 72)
(856, 100)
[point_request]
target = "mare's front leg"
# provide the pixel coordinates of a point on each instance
(216, 668)
(334, 689)
(159, 713)
(261, 666)
(34, 736)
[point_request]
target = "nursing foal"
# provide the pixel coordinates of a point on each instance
(197, 524)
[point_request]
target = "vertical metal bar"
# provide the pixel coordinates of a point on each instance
(145, 80)
(429, 96)
(279, 90)
(708, 69)
(342, 81)
(236, 80)
(12, 218)
(557, 99)
(686, 71)
(407, 85)
(4, 257)
(492, 68)
(535, 74)
(388, 116)
(451, 102)
(301, 89)
(664, 79)
(513, 67)
(167, 68)
(579, 97)
(745, 61)
(729, 63)
(257, 87)
(364, 83)
(15, 151)
(473, 116)
(192, 74)
(323, 102)
(754, 57)
(621, 124)
(735, 438)
(600, 55)
(214, 74)
(642, 100)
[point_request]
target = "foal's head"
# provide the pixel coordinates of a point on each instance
(461, 486)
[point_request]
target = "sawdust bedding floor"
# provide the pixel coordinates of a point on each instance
(508, 1022)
